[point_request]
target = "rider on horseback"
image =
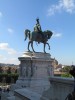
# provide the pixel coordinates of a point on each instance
(37, 28)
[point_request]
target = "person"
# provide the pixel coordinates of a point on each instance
(37, 27)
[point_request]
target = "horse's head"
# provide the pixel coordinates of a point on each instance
(27, 33)
(48, 33)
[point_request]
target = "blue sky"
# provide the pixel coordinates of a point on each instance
(55, 15)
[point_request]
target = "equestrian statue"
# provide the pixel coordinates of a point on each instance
(38, 36)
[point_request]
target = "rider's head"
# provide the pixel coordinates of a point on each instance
(37, 19)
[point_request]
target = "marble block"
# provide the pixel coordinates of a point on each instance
(35, 70)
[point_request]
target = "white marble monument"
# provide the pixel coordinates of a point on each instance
(35, 70)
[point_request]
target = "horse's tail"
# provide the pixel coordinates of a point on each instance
(25, 33)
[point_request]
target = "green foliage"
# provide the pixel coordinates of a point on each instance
(66, 75)
(9, 70)
(66, 69)
(16, 71)
(1, 70)
(8, 77)
(15, 76)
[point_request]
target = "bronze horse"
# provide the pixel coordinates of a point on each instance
(36, 36)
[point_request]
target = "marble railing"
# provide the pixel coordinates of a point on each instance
(60, 87)
(27, 94)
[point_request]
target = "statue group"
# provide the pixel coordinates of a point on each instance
(38, 36)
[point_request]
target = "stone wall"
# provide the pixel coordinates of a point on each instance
(60, 88)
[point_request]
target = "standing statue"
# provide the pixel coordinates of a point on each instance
(38, 35)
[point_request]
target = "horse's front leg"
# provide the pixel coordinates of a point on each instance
(32, 46)
(44, 48)
(48, 45)
(28, 45)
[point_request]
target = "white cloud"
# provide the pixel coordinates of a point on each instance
(1, 57)
(0, 14)
(5, 46)
(10, 56)
(66, 5)
(11, 51)
(9, 60)
(10, 30)
(12, 60)
(56, 34)
(69, 5)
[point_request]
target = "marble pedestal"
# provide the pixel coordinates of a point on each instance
(33, 82)
(34, 72)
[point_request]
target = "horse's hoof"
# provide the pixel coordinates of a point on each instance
(28, 50)
(44, 51)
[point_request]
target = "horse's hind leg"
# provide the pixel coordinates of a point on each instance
(32, 46)
(44, 48)
(48, 45)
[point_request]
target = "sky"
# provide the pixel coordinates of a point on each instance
(57, 16)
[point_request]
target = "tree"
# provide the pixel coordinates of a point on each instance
(15, 77)
(8, 79)
(1, 70)
(66, 69)
(9, 70)
(15, 70)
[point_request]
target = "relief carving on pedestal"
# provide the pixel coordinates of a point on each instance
(26, 69)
